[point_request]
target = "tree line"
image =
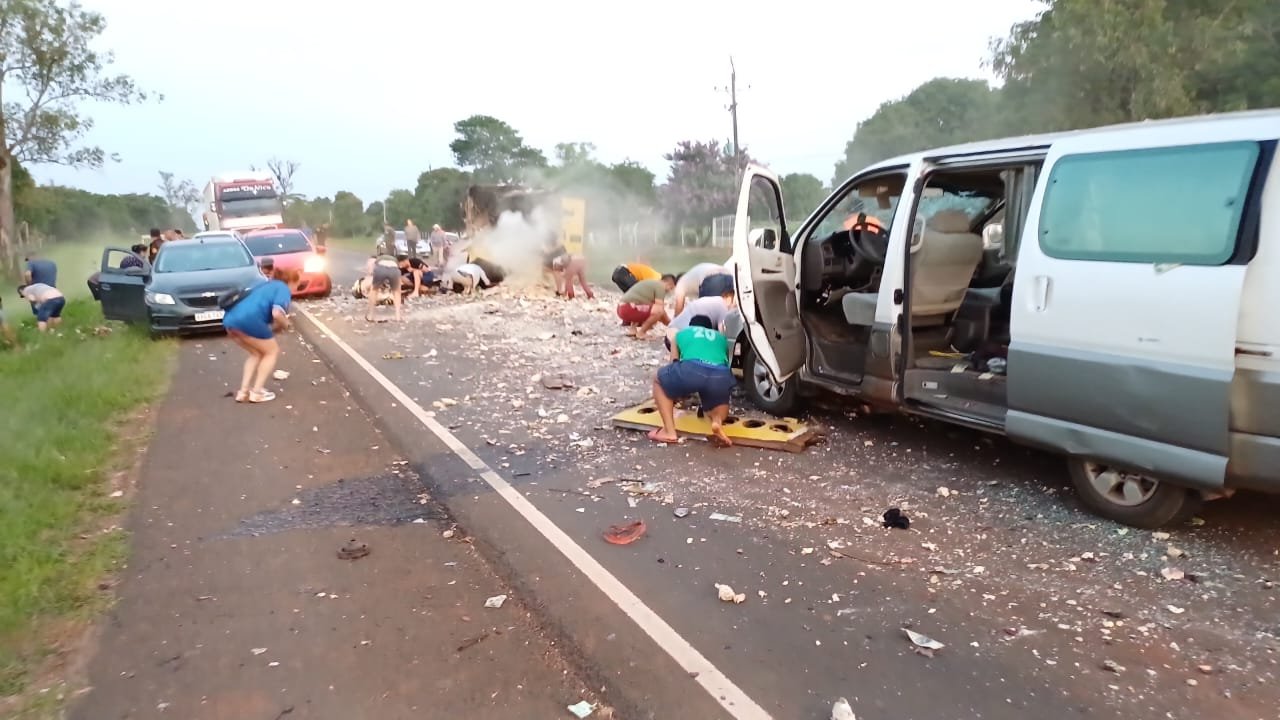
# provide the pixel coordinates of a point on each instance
(1078, 63)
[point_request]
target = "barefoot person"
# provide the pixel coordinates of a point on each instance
(644, 305)
(571, 268)
(699, 364)
(252, 323)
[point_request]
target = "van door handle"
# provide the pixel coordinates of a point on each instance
(1041, 297)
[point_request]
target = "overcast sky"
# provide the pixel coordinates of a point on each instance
(364, 95)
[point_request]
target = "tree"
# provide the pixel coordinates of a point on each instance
(493, 150)
(635, 182)
(438, 197)
(45, 51)
(575, 153)
(283, 170)
(801, 194)
(182, 198)
(703, 182)
(401, 206)
(942, 111)
(348, 215)
(373, 216)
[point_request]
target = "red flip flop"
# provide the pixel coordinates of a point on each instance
(653, 435)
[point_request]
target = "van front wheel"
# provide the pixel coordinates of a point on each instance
(1131, 498)
(780, 399)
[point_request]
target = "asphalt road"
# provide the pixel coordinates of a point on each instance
(1044, 610)
(236, 605)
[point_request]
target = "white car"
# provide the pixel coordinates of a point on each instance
(402, 245)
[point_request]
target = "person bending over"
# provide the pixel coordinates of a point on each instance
(46, 303)
(384, 274)
(699, 365)
(416, 277)
(252, 323)
(644, 305)
(570, 268)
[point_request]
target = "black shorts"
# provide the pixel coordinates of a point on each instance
(387, 278)
(623, 278)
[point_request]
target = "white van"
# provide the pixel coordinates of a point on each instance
(1110, 294)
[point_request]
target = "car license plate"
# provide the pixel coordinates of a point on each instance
(210, 315)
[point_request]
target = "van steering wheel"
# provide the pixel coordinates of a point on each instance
(870, 241)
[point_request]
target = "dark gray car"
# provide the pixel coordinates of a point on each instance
(180, 293)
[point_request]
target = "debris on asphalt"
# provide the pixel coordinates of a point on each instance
(582, 709)
(725, 518)
(625, 534)
(448, 534)
(353, 550)
(258, 651)
(895, 518)
(922, 643)
(727, 594)
(601, 481)
(841, 710)
(1112, 666)
(280, 374)
(473, 640)
(495, 601)
(1172, 573)
(681, 512)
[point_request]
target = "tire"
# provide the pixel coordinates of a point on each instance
(1159, 504)
(782, 401)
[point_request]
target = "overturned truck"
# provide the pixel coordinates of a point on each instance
(548, 217)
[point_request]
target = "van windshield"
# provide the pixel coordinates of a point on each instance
(877, 198)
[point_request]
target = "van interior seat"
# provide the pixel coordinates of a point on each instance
(943, 266)
(943, 263)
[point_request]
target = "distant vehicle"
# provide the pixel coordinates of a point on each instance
(246, 200)
(402, 245)
(292, 249)
(180, 293)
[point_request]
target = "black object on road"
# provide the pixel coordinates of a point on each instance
(895, 518)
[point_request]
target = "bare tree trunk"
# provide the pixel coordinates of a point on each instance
(7, 236)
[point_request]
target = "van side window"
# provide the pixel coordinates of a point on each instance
(1165, 205)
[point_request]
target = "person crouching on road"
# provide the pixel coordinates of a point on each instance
(385, 274)
(644, 305)
(699, 364)
(46, 303)
(470, 277)
(416, 276)
(626, 275)
(570, 268)
(252, 323)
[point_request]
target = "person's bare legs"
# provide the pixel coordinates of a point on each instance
(667, 411)
(718, 415)
(373, 302)
(268, 352)
(657, 314)
(250, 366)
(397, 300)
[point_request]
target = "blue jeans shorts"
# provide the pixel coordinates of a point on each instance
(711, 383)
(50, 309)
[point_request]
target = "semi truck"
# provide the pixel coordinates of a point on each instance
(243, 201)
(484, 204)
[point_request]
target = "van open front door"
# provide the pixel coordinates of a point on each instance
(765, 276)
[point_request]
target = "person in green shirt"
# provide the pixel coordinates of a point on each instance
(699, 365)
(645, 305)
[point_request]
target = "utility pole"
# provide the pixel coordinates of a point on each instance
(733, 109)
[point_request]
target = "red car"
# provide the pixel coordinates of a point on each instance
(290, 248)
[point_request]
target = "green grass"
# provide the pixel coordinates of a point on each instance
(65, 394)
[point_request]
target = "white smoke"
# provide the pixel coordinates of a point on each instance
(516, 244)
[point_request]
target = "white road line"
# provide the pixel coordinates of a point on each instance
(721, 688)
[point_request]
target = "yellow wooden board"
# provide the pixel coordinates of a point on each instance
(764, 432)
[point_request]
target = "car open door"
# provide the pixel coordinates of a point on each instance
(123, 290)
(765, 276)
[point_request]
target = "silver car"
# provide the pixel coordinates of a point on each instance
(402, 245)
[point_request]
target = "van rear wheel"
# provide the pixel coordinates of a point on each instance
(1131, 498)
(780, 399)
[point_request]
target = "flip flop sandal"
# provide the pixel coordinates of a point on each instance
(256, 397)
(625, 534)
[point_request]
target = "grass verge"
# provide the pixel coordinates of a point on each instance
(76, 262)
(69, 399)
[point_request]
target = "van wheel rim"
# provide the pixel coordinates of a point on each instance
(1119, 487)
(765, 386)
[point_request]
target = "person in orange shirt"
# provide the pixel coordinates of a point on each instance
(628, 274)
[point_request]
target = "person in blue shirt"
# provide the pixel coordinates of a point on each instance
(253, 322)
